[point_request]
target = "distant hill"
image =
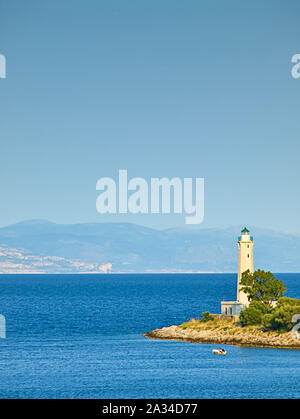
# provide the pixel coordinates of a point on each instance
(22, 261)
(91, 247)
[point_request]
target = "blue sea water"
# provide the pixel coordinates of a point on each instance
(80, 336)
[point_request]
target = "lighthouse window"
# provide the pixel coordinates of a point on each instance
(248, 255)
(248, 246)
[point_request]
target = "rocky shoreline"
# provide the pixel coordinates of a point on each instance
(233, 335)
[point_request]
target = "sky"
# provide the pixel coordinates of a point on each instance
(160, 88)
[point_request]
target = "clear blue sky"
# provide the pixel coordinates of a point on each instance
(161, 88)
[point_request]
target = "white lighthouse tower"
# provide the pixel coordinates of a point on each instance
(245, 243)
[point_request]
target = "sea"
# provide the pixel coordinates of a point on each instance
(81, 336)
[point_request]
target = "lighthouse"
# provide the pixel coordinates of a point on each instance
(245, 245)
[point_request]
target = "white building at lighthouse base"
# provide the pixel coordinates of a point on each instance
(231, 308)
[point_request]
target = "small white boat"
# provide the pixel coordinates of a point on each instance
(219, 351)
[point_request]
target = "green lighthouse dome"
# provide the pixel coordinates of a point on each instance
(245, 230)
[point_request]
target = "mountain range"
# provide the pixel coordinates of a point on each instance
(43, 246)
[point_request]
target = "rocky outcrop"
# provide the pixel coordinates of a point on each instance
(231, 336)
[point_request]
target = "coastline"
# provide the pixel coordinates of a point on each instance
(23, 272)
(233, 335)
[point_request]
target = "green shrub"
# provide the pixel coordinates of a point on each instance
(206, 317)
(251, 316)
(268, 321)
(280, 318)
(286, 301)
(258, 305)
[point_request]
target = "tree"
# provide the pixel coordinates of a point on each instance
(262, 286)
